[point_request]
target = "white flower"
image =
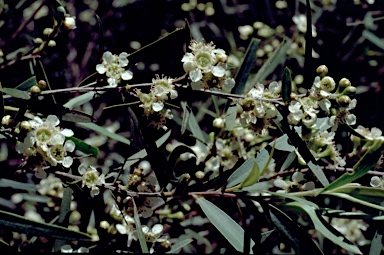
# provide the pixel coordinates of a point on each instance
(301, 22)
(91, 178)
(376, 182)
(126, 228)
(112, 66)
(296, 114)
(153, 234)
(57, 153)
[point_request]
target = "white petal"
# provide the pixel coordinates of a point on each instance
(174, 94)
(121, 229)
(123, 61)
(197, 85)
(157, 106)
(112, 82)
(108, 57)
(100, 68)
(297, 177)
(67, 132)
(157, 229)
(57, 139)
(66, 249)
(82, 169)
(228, 84)
(145, 229)
(280, 183)
(195, 75)
(67, 161)
(218, 71)
(52, 120)
(351, 119)
(69, 146)
(127, 75)
(95, 191)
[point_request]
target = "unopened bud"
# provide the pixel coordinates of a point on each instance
(38, 40)
(47, 31)
(344, 100)
(218, 123)
(35, 90)
(25, 125)
(327, 84)
(322, 71)
(344, 83)
(51, 43)
(42, 84)
(7, 120)
(69, 23)
(199, 174)
(349, 90)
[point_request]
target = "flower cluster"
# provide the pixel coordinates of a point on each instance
(153, 102)
(91, 178)
(294, 185)
(253, 106)
(46, 139)
(206, 67)
(112, 66)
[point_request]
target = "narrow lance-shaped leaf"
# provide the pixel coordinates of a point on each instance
(225, 224)
(366, 163)
(20, 224)
(308, 45)
(324, 227)
(16, 93)
(104, 131)
(270, 64)
(252, 177)
(286, 86)
(27, 84)
(140, 234)
(84, 147)
(1, 104)
(230, 118)
(246, 67)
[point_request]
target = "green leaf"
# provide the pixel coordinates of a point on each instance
(225, 224)
(286, 88)
(246, 67)
(277, 57)
(373, 38)
(298, 238)
(355, 200)
(253, 176)
(84, 147)
(184, 123)
(27, 84)
(76, 116)
(240, 173)
(270, 64)
(140, 234)
(319, 173)
(282, 144)
(230, 118)
(366, 163)
(104, 131)
(2, 112)
(65, 209)
(179, 245)
(143, 153)
(369, 194)
(323, 227)
(376, 244)
(16, 93)
(21, 224)
(194, 128)
(82, 99)
(201, 239)
(288, 161)
(6, 183)
(294, 198)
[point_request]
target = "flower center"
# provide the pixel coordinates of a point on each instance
(43, 135)
(58, 152)
(203, 60)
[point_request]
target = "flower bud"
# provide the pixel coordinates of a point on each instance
(6, 121)
(351, 90)
(344, 100)
(69, 23)
(42, 84)
(51, 43)
(25, 125)
(327, 84)
(35, 90)
(322, 71)
(218, 123)
(38, 40)
(344, 83)
(47, 31)
(199, 174)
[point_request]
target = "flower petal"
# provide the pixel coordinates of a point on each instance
(100, 68)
